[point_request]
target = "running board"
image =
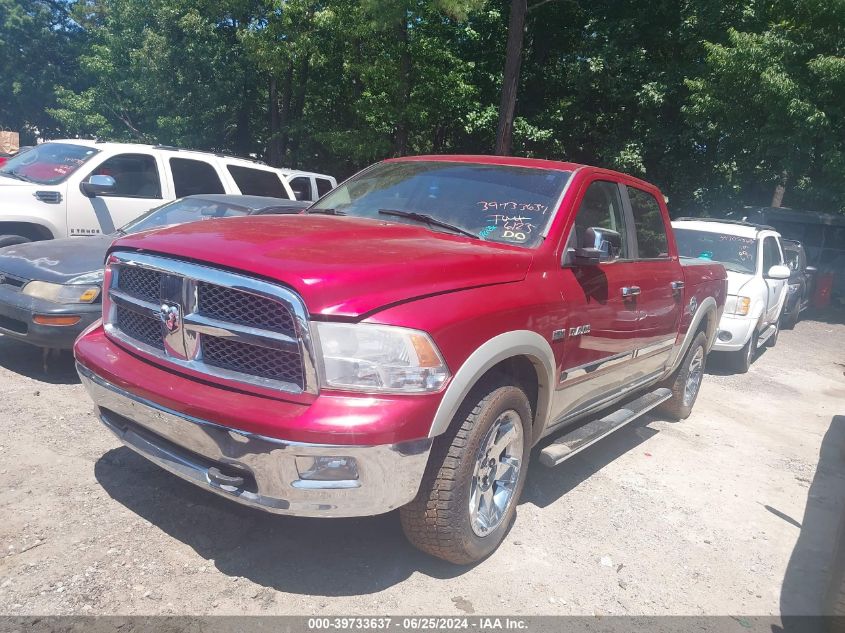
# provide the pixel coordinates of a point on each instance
(761, 340)
(578, 439)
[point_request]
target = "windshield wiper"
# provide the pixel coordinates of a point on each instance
(12, 174)
(326, 211)
(426, 219)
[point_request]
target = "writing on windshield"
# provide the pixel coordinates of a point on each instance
(734, 252)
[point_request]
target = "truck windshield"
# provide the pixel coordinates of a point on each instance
(48, 164)
(734, 252)
(498, 203)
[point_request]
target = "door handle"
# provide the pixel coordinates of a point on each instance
(630, 291)
(677, 285)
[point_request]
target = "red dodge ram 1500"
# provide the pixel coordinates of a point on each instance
(406, 343)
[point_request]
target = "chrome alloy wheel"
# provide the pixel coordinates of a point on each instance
(696, 373)
(496, 473)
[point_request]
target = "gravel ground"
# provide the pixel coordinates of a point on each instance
(731, 511)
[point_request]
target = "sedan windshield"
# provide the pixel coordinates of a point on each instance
(734, 252)
(48, 164)
(182, 211)
(499, 203)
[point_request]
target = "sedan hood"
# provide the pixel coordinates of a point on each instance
(57, 261)
(341, 266)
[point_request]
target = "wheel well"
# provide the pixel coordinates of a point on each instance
(34, 232)
(708, 326)
(522, 372)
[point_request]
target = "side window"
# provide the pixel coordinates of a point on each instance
(194, 176)
(257, 182)
(648, 224)
(601, 207)
(771, 254)
(323, 186)
(135, 176)
(301, 186)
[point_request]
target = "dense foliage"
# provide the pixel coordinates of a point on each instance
(718, 102)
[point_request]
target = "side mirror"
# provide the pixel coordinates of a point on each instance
(778, 271)
(97, 185)
(597, 245)
(812, 270)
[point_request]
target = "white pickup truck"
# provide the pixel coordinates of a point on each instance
(752, 255)
(77, 187)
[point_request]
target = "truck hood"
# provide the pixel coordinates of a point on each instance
(57, 261)
(341, 266)
(736, 281)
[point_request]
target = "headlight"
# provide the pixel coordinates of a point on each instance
(62, 293)
(737, 305)
(378, 358)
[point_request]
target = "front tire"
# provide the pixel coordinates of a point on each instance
(686, 383)
(743, 358)
(475, 475)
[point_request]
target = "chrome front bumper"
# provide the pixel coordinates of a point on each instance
(197, 450)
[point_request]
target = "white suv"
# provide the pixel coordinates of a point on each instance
(757, 278)
(77, 187)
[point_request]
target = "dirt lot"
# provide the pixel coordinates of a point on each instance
(731, 511)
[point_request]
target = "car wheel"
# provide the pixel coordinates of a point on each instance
(789, 321)
(11, 240)
(743, 358)
(773, 339)
(475, 475)
(686, 383)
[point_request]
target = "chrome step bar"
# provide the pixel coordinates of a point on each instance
(580, 438)
(766, 334)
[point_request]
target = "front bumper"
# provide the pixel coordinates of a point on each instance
(739, 328)
(16, 319)
(389, 475)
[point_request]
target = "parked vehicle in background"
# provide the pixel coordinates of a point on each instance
(757, 280)
(308, 185)
(417, 333)
(801, 283)
(50, 291)
(77, 188)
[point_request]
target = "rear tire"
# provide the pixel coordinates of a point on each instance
(686, 383)
(11, 240)
(475, 475)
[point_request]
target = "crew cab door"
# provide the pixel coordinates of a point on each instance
(660, 279)
(776, 288)
(138, 188)
(600, 336)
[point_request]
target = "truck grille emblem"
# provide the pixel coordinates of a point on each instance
(170, 316)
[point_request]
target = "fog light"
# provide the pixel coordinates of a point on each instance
(725, 336)
(327, 468)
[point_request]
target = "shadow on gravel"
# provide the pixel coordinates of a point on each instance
(322, 557)
(28, 360)
(817, 553)
(546, 485)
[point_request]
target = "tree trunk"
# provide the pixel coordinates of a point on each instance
(284, 117)
(298, 107)
(510, 82)
(780, 189)
(400, 140)
(275, 157)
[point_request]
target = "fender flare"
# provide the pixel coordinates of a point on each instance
(705, 309)
(501, 347)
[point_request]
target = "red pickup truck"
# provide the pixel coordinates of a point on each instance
(406, 343)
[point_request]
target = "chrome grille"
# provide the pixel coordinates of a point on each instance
(141, 283)
(235, 306)
(254, 359)
(141, 327)
(210, 321)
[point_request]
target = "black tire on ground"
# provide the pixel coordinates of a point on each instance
(789, 321)
(742, 359)
(773, 339)
(438, 520)
(11, 240)
(679, 407)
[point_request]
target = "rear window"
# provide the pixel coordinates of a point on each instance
(257, 182)
(191, 177)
